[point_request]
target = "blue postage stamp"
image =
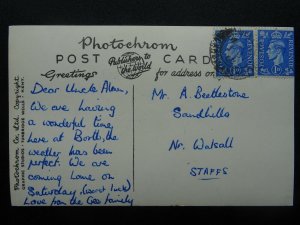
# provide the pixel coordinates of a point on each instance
(234, 52)
(276, 53)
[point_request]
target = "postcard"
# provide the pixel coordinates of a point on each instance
(151, 115)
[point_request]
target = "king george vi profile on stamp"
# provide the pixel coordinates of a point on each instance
(234, 53)
(276, 52)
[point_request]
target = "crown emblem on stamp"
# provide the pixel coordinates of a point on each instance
(276, 35)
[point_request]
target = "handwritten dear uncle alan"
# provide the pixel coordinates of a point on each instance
(129, 116)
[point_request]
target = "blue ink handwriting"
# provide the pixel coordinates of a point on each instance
(202, 114)
(65, 123)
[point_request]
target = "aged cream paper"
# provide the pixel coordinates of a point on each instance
(133, 115)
